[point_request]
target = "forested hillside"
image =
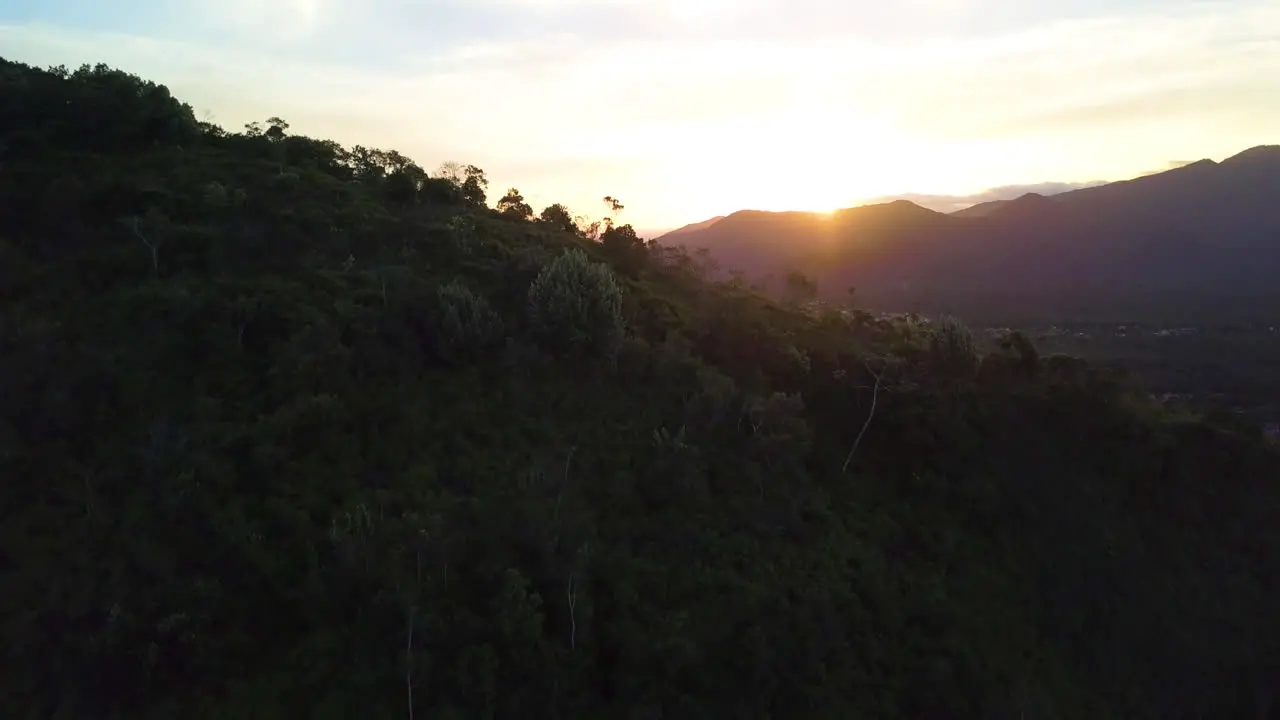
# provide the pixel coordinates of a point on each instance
(289, 429)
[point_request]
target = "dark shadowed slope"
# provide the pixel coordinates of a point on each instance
(1203, 238)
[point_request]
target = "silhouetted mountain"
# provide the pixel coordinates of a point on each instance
(981, 209)
(1200, 240)
(695, 226)
(993, 196)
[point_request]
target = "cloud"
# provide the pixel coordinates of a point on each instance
(274, 20)
(688, 10)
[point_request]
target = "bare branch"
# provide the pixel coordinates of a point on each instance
(563, 483)
(88, 493)
(572, 595)
(408, 662)
(153, 247)
(875, 395)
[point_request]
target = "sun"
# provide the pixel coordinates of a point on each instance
(826, 200)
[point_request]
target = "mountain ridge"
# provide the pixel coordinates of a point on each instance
(1268, 153)
(694, 226)
(1204, 229)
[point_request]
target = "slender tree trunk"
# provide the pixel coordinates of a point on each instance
(875, 395)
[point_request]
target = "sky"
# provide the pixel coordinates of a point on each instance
(687, 109)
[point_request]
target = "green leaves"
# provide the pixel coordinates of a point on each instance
(468, 327)
(575, 307)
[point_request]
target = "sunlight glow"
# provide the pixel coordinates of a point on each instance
(687, 109)
(815, 157)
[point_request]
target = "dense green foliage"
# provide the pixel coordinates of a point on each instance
(575, 306)
(295, 430)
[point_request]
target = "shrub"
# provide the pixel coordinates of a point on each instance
(462, 234)
(951, 348)
(467, 324)
(575, 307)
(716, 396)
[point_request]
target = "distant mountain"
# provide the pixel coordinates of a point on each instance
(981, 209)
(990, 196)
(1198, 241)
(695, 226)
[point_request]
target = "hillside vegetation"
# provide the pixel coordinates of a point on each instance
(291, 430)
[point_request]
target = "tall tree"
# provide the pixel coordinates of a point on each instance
(559, 217)
(513, 207)
(625, 247)
(475, 185)
(614, 207)
(453, 171)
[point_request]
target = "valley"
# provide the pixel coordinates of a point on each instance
(1232, 368)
